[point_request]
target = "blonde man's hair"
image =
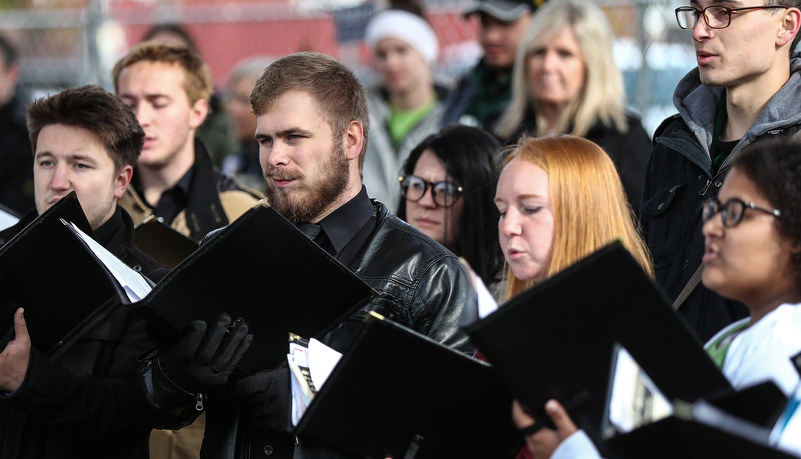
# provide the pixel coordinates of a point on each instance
(602, 97)
(589, 205)
(197, 77)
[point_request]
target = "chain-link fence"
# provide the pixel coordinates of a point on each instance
(66, 43)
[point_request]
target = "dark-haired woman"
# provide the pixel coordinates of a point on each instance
(447, 190)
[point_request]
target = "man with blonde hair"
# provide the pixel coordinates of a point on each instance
(168, 88)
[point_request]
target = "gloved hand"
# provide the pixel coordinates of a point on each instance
(206, 355)
(268, 399)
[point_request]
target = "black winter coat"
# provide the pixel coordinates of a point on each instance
(79, 402)
(629, 151)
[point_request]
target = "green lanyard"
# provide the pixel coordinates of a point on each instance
(717, 350)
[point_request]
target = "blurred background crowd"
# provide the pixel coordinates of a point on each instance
(67, 43)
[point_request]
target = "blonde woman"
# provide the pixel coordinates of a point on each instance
(565, 81)
(560, 199)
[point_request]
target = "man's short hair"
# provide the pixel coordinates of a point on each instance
(96, 110)
(197, 77)
(340, 96)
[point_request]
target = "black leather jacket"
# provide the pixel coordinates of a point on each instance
(420, 285)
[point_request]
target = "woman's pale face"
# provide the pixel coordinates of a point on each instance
(401, 67)
(526, 225)
(437, 222)
(749, 262)
(556, 71)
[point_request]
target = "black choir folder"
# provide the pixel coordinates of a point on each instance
(47, 270)
(263, 269)
(162, 243)
(556, 339)
(677, 437)
(641, 422)
(398, 393)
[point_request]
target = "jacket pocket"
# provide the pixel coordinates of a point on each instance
(662, 220)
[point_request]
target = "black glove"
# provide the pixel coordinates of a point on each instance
(205, 356)
(267, 398)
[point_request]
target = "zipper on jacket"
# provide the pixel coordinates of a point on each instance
(706, 187)
(199, 402)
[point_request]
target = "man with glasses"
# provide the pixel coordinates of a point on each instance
(746, 88)
(312, 127)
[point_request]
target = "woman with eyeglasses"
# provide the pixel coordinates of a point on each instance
(753, 255)
(446, 192)
(565, 81)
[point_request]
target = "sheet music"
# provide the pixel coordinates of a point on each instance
(310, 365)
(135, 286)
(635, 400)
(7, 220)
(322, 360)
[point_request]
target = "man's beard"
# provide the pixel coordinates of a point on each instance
(307, 203)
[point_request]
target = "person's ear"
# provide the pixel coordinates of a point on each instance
(122, 180)
(789, 28)
(198, 113)
(12, 73)
(354, 140)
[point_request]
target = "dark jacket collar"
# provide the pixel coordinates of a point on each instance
(342, 224)
(116, 234)
(204, 210)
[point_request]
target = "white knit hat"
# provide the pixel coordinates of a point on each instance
(407, 27)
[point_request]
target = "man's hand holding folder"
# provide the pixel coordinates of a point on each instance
(15, 357)
(205, 356)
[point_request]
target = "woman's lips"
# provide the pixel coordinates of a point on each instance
(426, 223)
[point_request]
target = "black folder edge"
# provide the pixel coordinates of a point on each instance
(68, 204)
(674, 437)
(354, 408)
(522, 390)
(162, 242)
(761, 404)
(169, 329)
(69, 207)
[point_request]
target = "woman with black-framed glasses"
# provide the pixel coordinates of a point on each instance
(447, 186)
(752, 232)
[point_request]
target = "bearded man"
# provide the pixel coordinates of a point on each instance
(312, 127)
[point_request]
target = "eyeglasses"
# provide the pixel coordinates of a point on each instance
(733, 211)
(716, 17)
(444, 193)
